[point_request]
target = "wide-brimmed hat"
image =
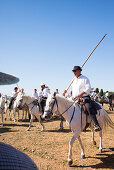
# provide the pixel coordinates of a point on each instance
(76, 68)
(42, 84)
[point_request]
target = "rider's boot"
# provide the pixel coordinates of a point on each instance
(97, 128)
(96, 124)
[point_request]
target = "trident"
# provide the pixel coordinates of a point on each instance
(86, 60)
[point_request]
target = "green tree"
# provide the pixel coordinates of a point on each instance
(110, 93)
(91, 90)
(97, 90)
(101, 92)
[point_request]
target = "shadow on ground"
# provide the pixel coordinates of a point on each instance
(107, 161)
(3, 130)
(14, 124)
(60, 131)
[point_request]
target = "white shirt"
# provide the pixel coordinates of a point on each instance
(106, 94)
(14, 94)
(93, 94)
(45, 92)
(80, 84)
(35, 95)
(40, 93)
(20, 93)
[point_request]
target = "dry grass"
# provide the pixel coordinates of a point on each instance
(49, 149)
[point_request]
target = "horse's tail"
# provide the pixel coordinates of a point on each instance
(107, 121)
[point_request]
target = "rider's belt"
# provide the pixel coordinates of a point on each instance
(85, 96)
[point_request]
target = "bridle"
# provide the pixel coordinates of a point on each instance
(35, 103)
(55, 101)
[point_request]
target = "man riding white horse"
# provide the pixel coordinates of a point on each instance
(80, 88)
(43, 96)
(14, 95)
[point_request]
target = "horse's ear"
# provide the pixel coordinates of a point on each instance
(54, 94)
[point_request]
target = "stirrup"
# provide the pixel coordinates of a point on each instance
(87, 125)
(97, 128)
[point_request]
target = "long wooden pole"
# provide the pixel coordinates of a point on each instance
(93, 50)
(87, 59)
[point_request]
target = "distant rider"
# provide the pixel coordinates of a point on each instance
(14, 95)
(35, 94)
(43, 96)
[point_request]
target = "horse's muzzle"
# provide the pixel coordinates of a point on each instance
(19, 106)
(47, 114)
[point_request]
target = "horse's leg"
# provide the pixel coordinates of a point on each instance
(2, 117)
(39, 119)
(75, 135)
(5, 114)
(31, 120)
(61, 123)
(22, 114)
(82, 148)
(92, 138)
(100, 146)
(29, 115)
(14, 115)
(9, 113)
(25, 114)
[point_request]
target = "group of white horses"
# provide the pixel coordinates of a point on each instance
(5, 111)
(28, 104)
(63, 107)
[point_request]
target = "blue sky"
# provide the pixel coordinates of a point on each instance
(41, 41)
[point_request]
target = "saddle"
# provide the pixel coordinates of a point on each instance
(35, 102)
(94, 105)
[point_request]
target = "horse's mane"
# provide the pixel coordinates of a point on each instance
(64, 100)
(28, 96)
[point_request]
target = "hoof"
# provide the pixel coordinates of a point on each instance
(60, 129)
(94, 142)
(82, 156)
(70, 162)
(100, 150)
(27, 129)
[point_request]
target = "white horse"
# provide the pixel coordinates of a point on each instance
(24, 108)
(2, 104)
(6, 108)
(34, 110)
(14, 108)
(77, 121)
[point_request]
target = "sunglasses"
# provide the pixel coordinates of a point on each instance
(74, 70)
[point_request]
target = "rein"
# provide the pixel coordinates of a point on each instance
(35, 103)
(2, 108)
(66, 109)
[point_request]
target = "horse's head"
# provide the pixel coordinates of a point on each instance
(2, 102)
(51, 106)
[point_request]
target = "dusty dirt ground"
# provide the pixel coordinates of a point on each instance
(49, 149)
